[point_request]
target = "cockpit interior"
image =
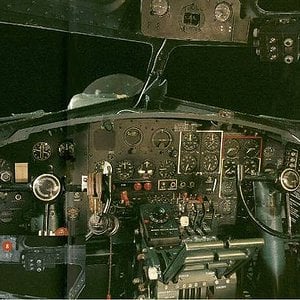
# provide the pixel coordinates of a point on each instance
(130, 192)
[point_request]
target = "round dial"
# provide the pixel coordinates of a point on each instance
(269, 152)
(46, 187)
(229, 168)
(146, 169)
(251, 166)
(41, 151)
(228, 187)
(133, 136)
(167, 168)
(226, 207)
(223, 12)
(6, 216)
(124, 169)
(232, 148)
(159, 7)
(188, 163)
(290, 180)
(210, 162)
(66, 150)
(6, 174)
(159, 215)
(211, 141)
(162, 138)
(251, 147)
(190, 141)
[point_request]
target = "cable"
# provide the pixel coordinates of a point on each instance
(151, 74)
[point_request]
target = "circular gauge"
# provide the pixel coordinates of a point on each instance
(228, 187)
(167, 168)
(190, 141)
(251, 166)
(6, 216)
(229, 168)
(124, 169)
(146, 169)
(210, 162)
(133, 136)
(46, 187)
(232, 148)
(251, 147)
(211, 141)
(41, 151)
(66, 150)
(6, 174)
(159, 7)
(290, 180)
(226, 207)
(269, 152)
(159, 215)
(162, 138)
(188, 163)
(223, 12)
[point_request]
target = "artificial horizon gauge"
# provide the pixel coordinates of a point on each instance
(133, 136)
(190, 141)
(162, 138)
(124, 169)
(211, 141)
(41, 151)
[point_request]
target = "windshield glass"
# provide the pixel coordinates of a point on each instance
(235, 79)
(43, 69)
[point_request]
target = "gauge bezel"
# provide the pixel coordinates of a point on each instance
(282, 182)
(120, 174)
(214, 144)
(160, 11)
(38, 148)
(211, 157)
(253, 143)
(126, 137)
(194, 140)
(167, 163)
(229, 12)
(142, 166)
(36, 187)
(168, 140)
(191, 160)
(232, 144)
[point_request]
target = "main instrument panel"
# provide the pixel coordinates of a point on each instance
(150, 160)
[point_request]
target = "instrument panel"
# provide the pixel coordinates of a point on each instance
(194, 20)
(149, 160)
(155, 183)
